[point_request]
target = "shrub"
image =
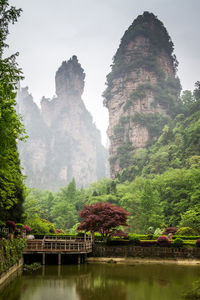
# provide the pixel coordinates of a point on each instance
(117, 242)
(178, 242)
(11, 225)
(2, 223)
(59, 231)
(3, 235)
(198, 243)
(150, 230)
(10, 252)
(185, 237)
(120, 234)
(27, 228)
(158, 231)
(148, 243)
(135, 241)
(168, 230)
(186, 231)
(150, 236)
(163, 241)
(19, 225)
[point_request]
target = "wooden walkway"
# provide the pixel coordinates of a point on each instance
(66, 245)
(59, 245)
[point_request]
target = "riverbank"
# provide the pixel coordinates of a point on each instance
(146, 254)
(10, 272)
(121, 260)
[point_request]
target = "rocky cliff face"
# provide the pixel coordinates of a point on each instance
(142, 89)
(63, 141)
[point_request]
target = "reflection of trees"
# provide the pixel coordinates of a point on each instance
(94, 286)
(12, 290)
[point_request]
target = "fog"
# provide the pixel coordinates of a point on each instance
(50, 31)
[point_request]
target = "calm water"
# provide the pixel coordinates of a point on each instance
(103, 281)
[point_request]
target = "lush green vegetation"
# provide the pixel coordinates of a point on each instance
(10, 252)
(11, 129)
(159, 188)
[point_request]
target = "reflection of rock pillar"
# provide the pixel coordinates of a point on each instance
(43, 270)
(59, 258)
(59, 270)
(43, 258)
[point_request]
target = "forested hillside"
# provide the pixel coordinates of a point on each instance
(11, 129)
(159, 183)
(155, 142)
(160, 188)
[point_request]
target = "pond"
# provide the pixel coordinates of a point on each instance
(103, 281)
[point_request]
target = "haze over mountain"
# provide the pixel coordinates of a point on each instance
(63, 142)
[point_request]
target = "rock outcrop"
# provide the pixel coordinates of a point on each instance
(63, 142)
(142, 89)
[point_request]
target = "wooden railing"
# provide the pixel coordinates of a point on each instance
(67, 237)
(79, 245)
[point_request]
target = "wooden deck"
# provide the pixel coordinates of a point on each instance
(59, 244)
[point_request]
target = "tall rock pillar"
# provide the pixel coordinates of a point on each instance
(142, 89)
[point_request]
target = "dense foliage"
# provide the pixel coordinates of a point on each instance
(159, 189)
(10, 252)
(11, 129)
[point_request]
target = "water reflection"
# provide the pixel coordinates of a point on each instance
(107, 282)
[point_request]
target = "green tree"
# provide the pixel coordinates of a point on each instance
(11, 180)
(191, 218)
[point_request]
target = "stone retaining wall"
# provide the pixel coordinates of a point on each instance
(12, 270)
(146, 252)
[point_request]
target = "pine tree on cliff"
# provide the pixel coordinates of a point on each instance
(142, 89)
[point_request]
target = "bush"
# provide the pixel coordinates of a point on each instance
(11, 225)
(117, 242)
(178, 243)
(19, 225)
(3, 235)
(168, 230)
(2, 223)
(158, 231)
(150, 230)
(163, 241)
(10, 252)
(186, 231)
(27, 228)
(198, 243)
(135, 241)
(150, 236)
(148, 243)
(185, 237)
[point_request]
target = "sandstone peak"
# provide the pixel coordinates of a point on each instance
(70, 78)
(142, 89)
(63, 141)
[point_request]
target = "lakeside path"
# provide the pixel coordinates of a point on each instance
(121, 260)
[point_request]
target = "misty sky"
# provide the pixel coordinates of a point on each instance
(51, 31)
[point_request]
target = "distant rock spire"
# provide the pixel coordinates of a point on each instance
(70, 78)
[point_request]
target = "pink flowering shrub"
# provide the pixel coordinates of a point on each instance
(27, 228)
(198, 243)
(163, 241)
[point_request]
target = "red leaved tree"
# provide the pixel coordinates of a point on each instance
(103, 218)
